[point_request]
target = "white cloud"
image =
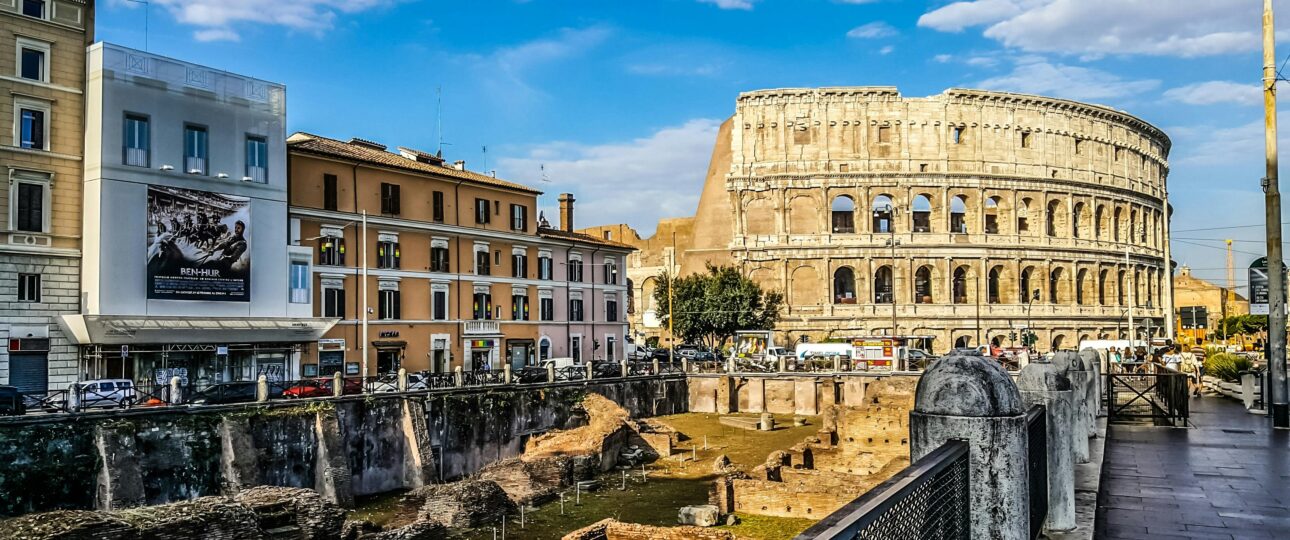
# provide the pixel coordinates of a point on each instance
(1093, 28)
(982, 61)
(887, 50)
(637, 181)
(1213, 92)
(673, 70)
(730, 4)
(1033, 75)
(216, 19)
(873, 30)
(505, 71)
(943, 58)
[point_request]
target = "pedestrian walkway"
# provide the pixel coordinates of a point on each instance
(1226, 477)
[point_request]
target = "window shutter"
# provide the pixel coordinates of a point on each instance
(397, 254)
(329, 192)
(398, 312)
(394, 198)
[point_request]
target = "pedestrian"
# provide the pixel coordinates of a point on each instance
(1193, 368)
(1172, 359)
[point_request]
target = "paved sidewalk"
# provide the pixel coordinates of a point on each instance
(1227, 477)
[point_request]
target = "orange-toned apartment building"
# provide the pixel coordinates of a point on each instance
(460, 271)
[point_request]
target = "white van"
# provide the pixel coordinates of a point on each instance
(827, 350)
(560, 363)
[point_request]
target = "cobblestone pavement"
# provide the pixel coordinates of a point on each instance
(1227, 477)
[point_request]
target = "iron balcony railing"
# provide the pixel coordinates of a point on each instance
(928, 500)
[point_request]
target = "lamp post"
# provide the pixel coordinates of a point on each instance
(892, 243)
(1029, 339)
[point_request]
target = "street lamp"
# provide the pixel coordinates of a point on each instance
(888, 209)
(1030, 301)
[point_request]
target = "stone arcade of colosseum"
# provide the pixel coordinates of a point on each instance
(986, 195)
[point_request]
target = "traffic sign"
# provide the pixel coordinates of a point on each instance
(1259, 286)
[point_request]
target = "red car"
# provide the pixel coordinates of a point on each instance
(321, 387)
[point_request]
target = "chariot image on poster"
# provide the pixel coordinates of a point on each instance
(198, 245)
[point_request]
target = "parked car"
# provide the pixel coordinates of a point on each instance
(234, 392)
(321, 388)
(102, 393)
(662, 354)
(705, 356)
(11, 403)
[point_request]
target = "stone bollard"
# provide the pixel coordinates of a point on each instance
(550, 372)
(403, 380)
(655, 366)
(837, 364)
(506, 373)
(781, 364)
(591, 373)
(262, 389)
(337, 385)
(730, 365)
(1070, 364)
(767, 422)
(685, 365)
(973, 399)
(1093, 363)
(460, 376)
(1247, 390)
(175, 396)
(623, 370)
(1042, 384)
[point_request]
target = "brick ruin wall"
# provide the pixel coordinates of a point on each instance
(610, 529)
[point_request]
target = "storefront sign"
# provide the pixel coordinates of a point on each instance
(389, 333)
(163, 375)
(222, 350)
(481, 344)
(331, 344)
(198, 245)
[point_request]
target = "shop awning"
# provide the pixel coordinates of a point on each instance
(389, 344)
(130, 330)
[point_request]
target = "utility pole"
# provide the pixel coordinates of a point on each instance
(1133, 285)
(671, 316)
(362, 244)
(1227, 292)
(1276, 352)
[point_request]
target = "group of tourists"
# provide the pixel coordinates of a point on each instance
(1173, 357)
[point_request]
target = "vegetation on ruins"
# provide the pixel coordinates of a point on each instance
(711, 306)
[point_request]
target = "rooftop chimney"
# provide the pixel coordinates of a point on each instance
(459, 165)
(566, 212)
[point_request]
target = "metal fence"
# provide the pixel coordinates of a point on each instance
(1159, 394)
(928, 500)
(1037, 467)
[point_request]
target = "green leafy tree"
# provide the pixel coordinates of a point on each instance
(711, 306)
(1242, 325)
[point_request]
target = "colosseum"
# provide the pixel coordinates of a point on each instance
(963, 217)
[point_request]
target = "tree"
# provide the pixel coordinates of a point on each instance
(1242, 325)
(711, 306)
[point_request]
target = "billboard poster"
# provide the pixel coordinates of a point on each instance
(198, 245)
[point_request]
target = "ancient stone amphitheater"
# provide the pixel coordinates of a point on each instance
(1003, 208)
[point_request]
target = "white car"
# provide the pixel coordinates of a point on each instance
(102, 393)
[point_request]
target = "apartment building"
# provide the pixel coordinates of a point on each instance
(186, 269)
(461, 270)
(42, 103)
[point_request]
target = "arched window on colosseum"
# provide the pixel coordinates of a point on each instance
(1101, 287)
(759, 217)
(923, 285)
(1055, 286)
(1119, 289)
(1137, 287)
(1099, 221)
(958, 214)
(963, 342)
(803, 215)
(1023, 216)
(647, 293)
(922, 208)
(1026, 293)
(844, 215)
(1058, 341)
(1133, 225)
(992, 285)
(992, 215)
(882, 286)
(883, 212)
(1080, 278)
(1077, 220)
(1056, 221)
(805, 288)
(1116, 219)
(844, 286)
(960, 285)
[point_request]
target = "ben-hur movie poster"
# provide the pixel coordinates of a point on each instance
(198, 245)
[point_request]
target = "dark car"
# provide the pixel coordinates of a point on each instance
(11, 402)
(705, 356)
(663, 355)
(236, 392)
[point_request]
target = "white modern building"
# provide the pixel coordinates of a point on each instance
(186, 268)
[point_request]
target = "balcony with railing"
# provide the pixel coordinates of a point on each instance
(483, 328)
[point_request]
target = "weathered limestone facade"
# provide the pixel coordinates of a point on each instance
(992, 195)
(42, 111)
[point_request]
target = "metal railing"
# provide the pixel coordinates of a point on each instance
(1158, 394)
(929, 499)
(1037, 467)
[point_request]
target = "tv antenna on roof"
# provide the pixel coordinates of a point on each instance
(146, 8)
(542, 167)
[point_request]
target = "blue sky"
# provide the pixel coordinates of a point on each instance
(619, 100)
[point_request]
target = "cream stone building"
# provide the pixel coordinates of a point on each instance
(963, 217)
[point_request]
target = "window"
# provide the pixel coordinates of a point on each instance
(388, 307)
(439, 303)
(611, 272)
(884, 134)
(575, 348)
(1025, 139)
(844, 286)
(882, 286)
(34, 8)
(329, 192)
(956, 135)
(519, 307)
(575, 270)
(544, 265)
(28, 287)
(137, 144)
(436, 206)
(195, 149)
(257, 159)
(33, 60)
(483, 305)
(29, 215)
(482, 217)
(387, 254)
(333, 300)
(482, 263)
(299, 282)
(1079, 147)
(923, 285)
(32, 120)
(331, 250)
(611, 346)
(546, 308)
(439, 257)
(519, 265)
(575, 309)
(843, 215)
(519, 217)
(389, 198)
(611, 308)
(922, 214)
